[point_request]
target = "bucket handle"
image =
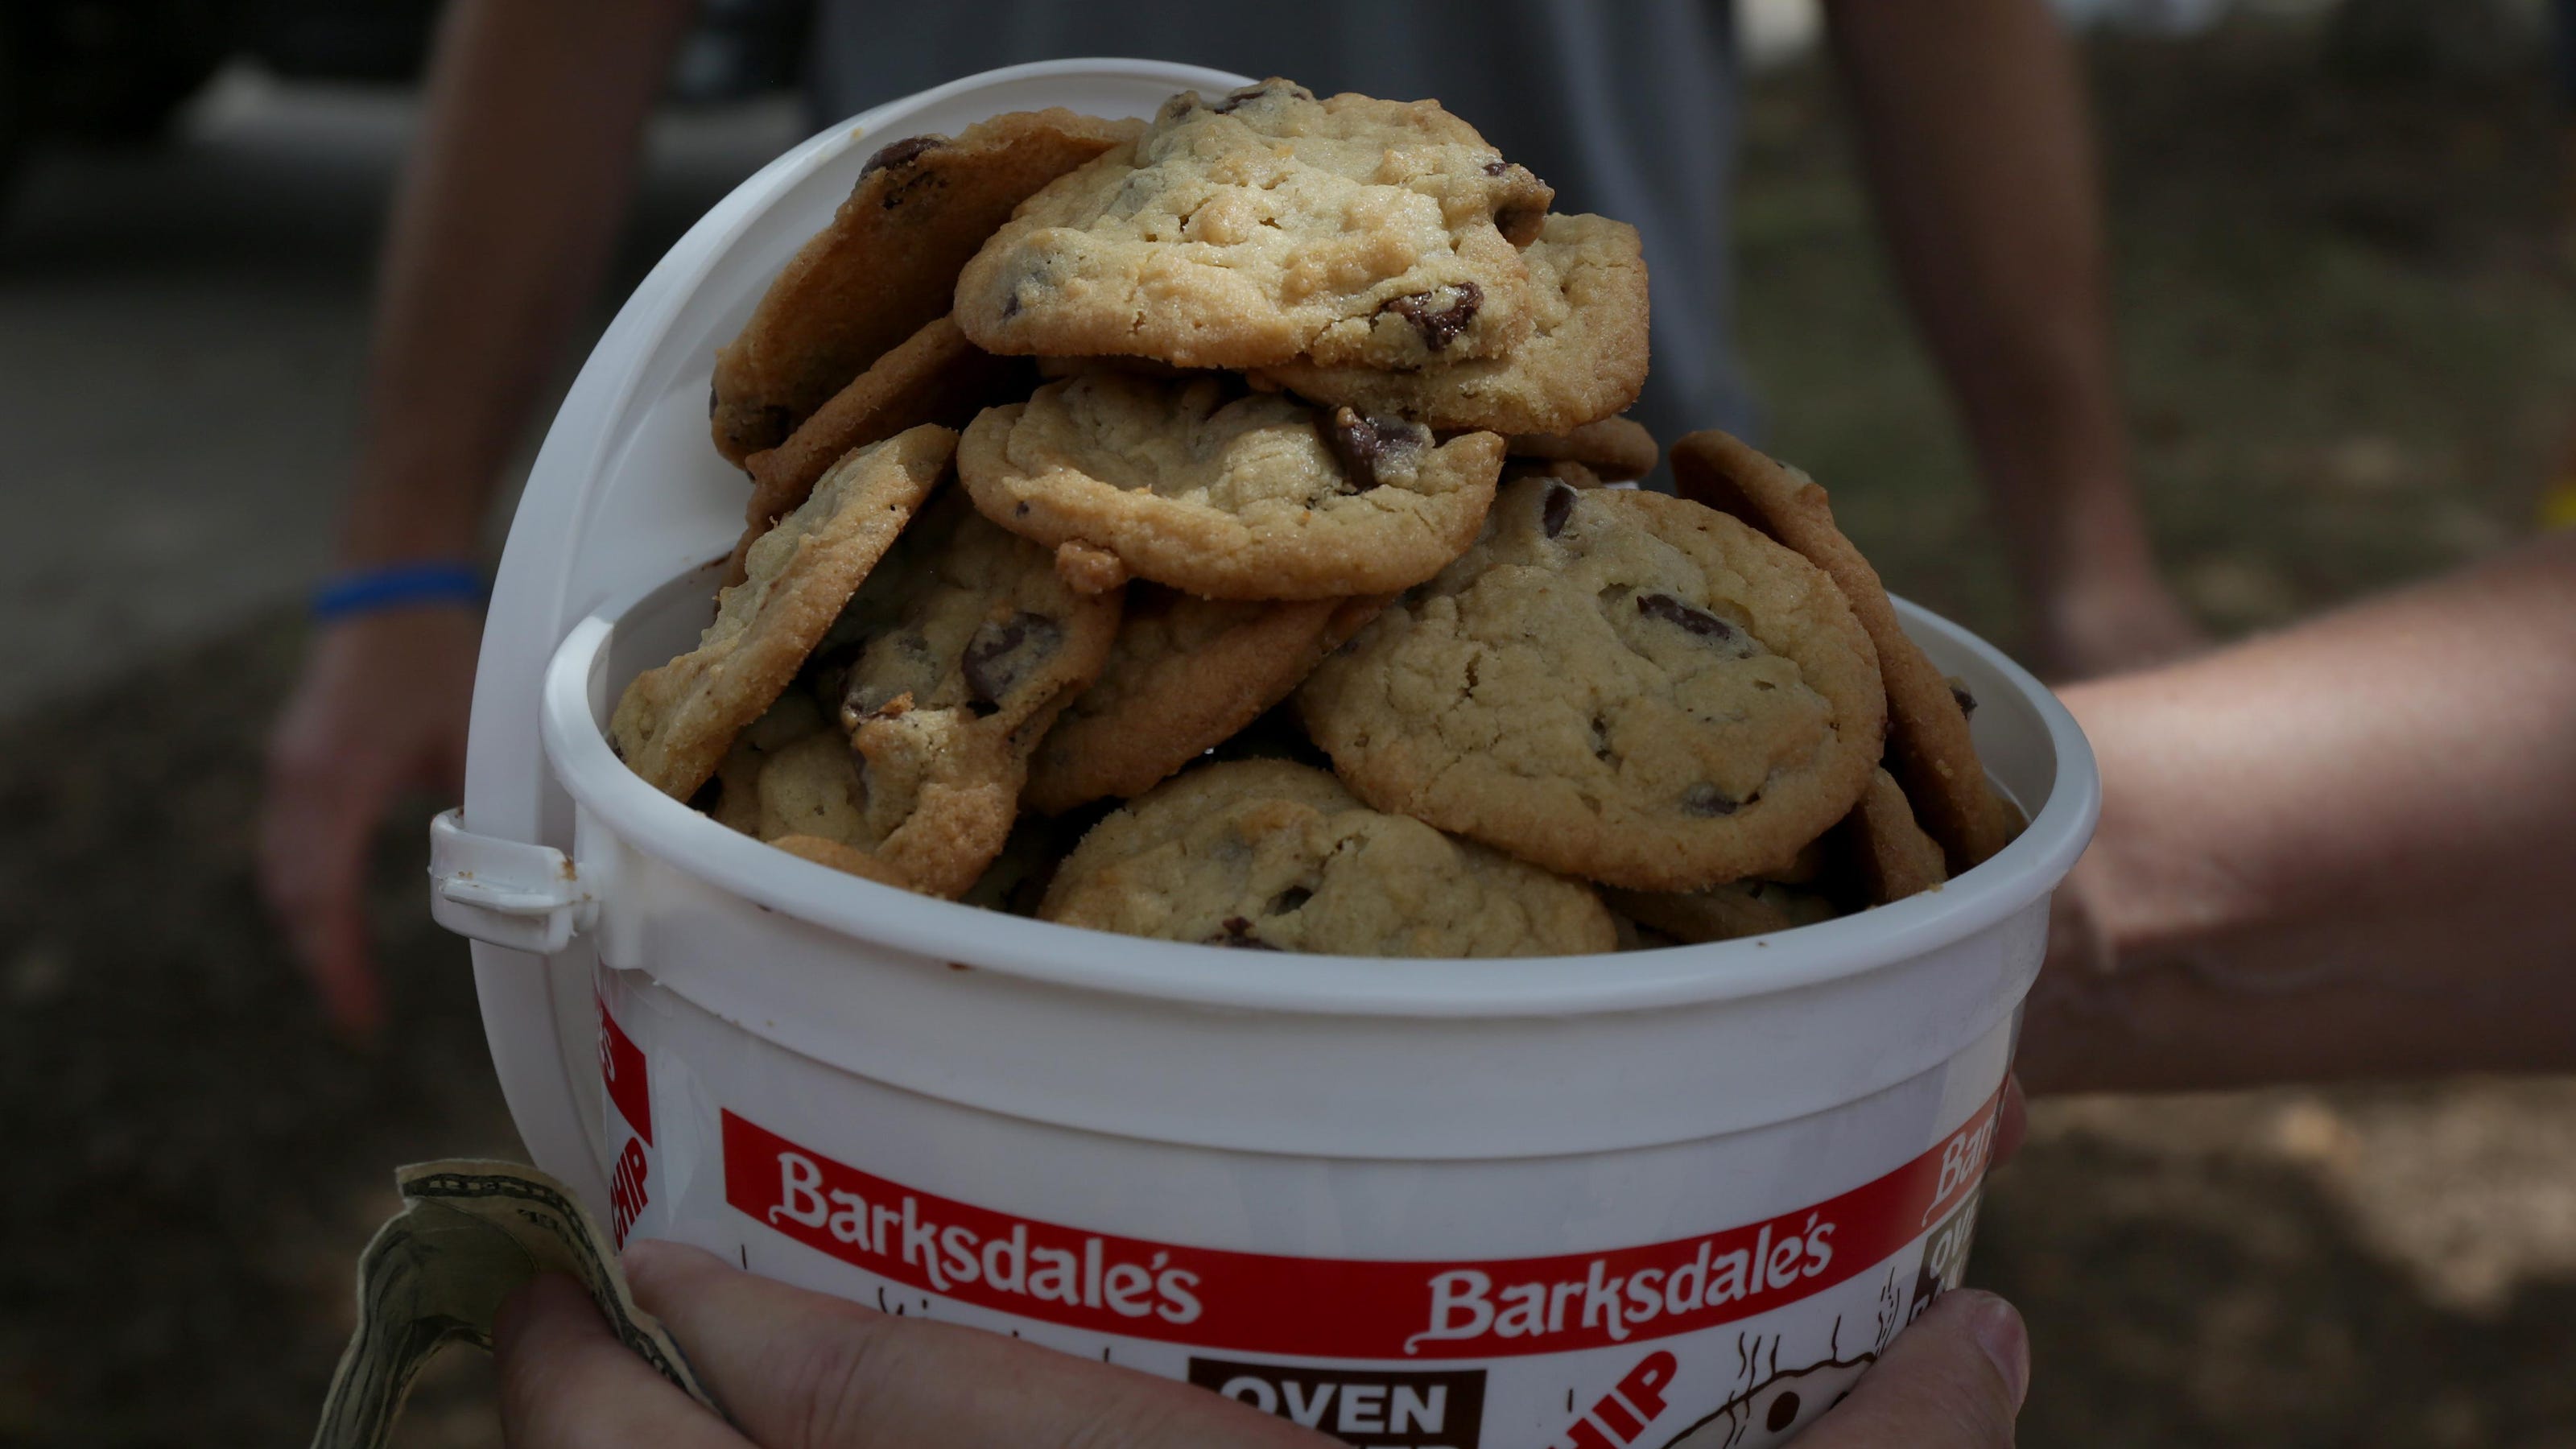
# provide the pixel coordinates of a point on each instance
(505, 892)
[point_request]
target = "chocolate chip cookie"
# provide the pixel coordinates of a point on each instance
(1614, 684)
(1873, 856)
(733, 797)
(1929, 747)
(885, 266)
(1613, 450)
(1185, 675)
(1890, 856)
(789, 780)
(933, 376)
(1267, 225)
(674, 723)
(1228, 496)
(1264, 855)
(1584, 360)
(949, 667)
(1723, 912)
(1560, 470)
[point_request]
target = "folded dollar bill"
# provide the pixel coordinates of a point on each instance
(471, 1234)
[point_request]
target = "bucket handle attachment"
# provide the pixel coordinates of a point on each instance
(505, 892)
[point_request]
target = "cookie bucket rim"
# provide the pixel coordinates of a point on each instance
(575, 699)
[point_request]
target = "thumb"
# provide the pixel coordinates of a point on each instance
(1954, 1380)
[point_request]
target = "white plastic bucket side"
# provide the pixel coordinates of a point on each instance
(1515, 1299)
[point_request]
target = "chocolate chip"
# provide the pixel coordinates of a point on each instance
(1003, 654)
(1439, 326)
(1497, 166)
(1708, 800)
(1967, 701)
(1784, 1412)
(1010, 306)
(1558, 507)
(901, 153)
(1360, 443)
(1238, 937)
(1674, 611)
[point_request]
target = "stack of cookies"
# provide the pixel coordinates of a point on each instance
(1278, 601)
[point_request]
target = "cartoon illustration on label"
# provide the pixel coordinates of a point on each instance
(1776, 1402)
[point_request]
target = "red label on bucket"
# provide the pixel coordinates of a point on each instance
(1324, 1307)
(621, 1071)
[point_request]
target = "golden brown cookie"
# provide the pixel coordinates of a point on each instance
(1227, 496)
(933, 376)
(1877, 855)
(1185, 675)
(1723, 912)
(885, 266)
(733, 797)
(1929, 747)
(1585, 359)
(674, 723)
(1266, 225)
(1614, 450)
(1889, 855)
(1017, 879)
(1556, 470)
(950, 666)
(1613, 684)
(1269, 856)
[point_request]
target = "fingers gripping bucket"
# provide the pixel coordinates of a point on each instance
(1680, 1196)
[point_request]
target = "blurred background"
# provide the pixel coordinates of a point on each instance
(2346, 292)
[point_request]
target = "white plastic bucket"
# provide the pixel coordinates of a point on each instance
(1681, 1195)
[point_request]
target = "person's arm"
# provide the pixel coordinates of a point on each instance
(799, 1370)
(1973, 131)
(2345, 850)
(506, 213)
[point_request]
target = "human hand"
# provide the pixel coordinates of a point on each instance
(1954, 1379)
(382, 707)
(802, 1370)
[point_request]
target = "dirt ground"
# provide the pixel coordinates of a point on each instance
(2349, 330)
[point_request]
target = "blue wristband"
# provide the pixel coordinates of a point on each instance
(396, 586)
